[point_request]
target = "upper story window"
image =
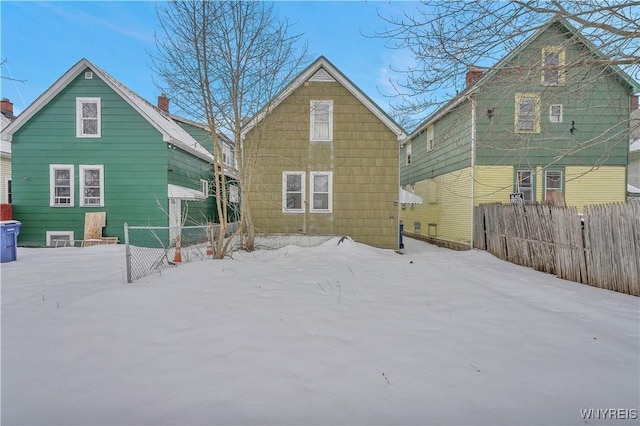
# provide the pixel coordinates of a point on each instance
(430, 138)
(553, 62)
(88, 118)
(555, 113)
(527, 113)
(407, 150)
(293, 192)
(321, 121)
(204, 187)
(91, 186)
(61, 185)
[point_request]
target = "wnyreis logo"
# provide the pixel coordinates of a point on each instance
(609, 413)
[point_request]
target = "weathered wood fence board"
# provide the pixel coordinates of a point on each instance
(602, 251)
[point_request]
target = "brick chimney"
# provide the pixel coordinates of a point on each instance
(473, 75)
(6, 107)
(163, 103)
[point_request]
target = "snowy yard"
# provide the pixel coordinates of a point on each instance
(334, 334)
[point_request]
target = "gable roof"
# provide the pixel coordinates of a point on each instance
(170, 130)
(471, 89)
(323, 70)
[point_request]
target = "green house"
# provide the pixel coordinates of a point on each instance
(548, 123)
(89, 144)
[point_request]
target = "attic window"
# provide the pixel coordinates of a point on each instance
(88, 75)
(553, 61)
(321, 128)
(88, 117)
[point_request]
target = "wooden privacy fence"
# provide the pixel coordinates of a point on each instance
(601, 248)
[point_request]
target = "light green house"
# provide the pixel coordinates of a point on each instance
(325, 161)
(548, 123)
(89, 144)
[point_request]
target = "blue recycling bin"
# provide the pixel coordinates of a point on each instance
(9, 230)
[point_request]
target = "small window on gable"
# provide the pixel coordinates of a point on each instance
(430, 138)
(204, 187)
(321, 192)
(321, 121)
(88, 75)
(553, 66)
(407, 150)
(555, 113)
(91, 186)
(293, 192)
(61, 185)
(88, 117)
(527, 113)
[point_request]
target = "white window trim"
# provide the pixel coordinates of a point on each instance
(52, 184)
(204, 188)
(60, 233)
(551, 113)
(234, 194)
(313, 105)
(561, 189)
(532, 175)
(312, 192)
(407, 154)
(82, 169)
(7, 182)
(430, 138)
(79, 132)
(284, 192)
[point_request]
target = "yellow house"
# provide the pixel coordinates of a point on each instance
(324, 161)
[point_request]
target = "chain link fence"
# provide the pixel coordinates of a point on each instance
(150, 249)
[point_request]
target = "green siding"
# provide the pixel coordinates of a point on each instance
(131, 150)
(186, 170)
(592, 98)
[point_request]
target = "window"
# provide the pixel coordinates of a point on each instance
(91, 186)
(524, 184)
(527, 113)
(60, 239)
(7, 190)
(552, 182)
(552, 64)
(204, 187)
(555, 113)
(228, 157)
(430, 138)
(88, 123)
(321, 121)
(321, 192)
(234, 195)
(293, 192)
(61, 185)
(408, 153)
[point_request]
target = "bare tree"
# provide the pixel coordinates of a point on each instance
(446, 38)
(221, 62)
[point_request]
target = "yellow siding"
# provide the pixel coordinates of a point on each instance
(493, 184)
(449, 213)
(584, 186)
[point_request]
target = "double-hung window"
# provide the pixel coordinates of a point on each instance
(91, 186)
(524, 184)
(555, 113)
(552, 66)
(88, 117)
(293, 192)
(204, 188)
(527, 117)
(430, 138)
(552, 182)
(321, 192)
(61, 185)
(407, 150)
(321, 128)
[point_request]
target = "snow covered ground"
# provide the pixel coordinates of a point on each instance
(333, 334)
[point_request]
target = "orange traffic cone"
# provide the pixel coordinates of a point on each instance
(209, 246)
(177, 257)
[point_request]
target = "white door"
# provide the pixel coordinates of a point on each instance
(175, 213)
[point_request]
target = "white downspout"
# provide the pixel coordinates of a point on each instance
(473, 163)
